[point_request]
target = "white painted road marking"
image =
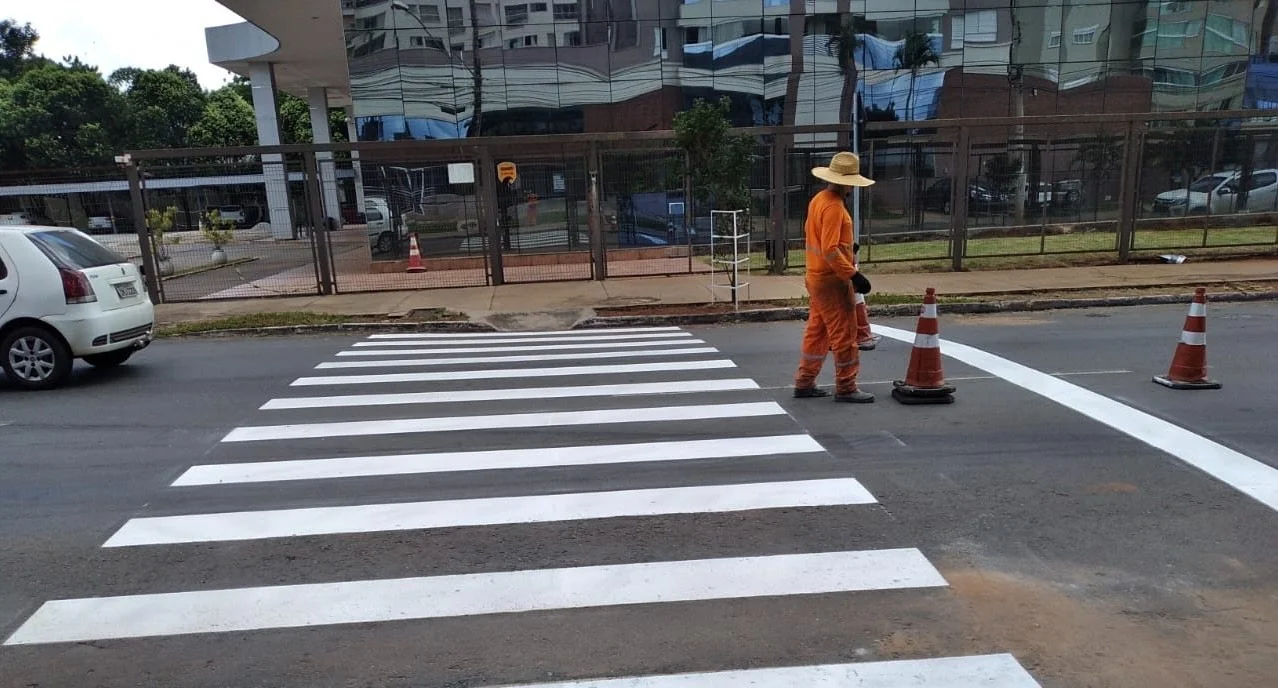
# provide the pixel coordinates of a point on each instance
(318, 604)
(466, 360)
(505, 373)
(1245, 474)
(640, 388)
(457, 513)
(979, 671)
(518, 340)
(500, 459)
(512, 420)
(507, 349)
(469, 335)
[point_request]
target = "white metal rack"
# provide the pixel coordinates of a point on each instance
(729, 249)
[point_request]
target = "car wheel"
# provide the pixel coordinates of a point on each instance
(385, 243)
(109, 359)
(35, 358)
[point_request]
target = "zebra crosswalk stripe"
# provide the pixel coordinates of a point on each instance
(370, 518)
(507, 373)
(500, 459)
(319, 604)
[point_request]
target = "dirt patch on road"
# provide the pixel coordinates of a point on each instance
(1069, 635)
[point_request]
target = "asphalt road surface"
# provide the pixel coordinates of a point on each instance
(225, 513)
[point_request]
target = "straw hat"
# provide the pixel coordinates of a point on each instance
(844, 170)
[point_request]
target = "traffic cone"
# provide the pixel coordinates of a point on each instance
(1189, 364)
(865, 339)
(414, 256)
(924, 381)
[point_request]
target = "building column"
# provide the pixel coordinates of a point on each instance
(274, 171)
(317, 98)
(352, 133)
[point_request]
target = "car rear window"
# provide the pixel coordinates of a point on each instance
(71, 250)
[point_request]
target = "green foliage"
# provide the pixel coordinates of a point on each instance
(1002, 170)
(216, 230)
(66, 114)
(717, 161)
(159, 223)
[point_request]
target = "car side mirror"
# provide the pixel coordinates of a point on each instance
(1225, 191)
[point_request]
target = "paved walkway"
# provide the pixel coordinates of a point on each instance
(480, 302)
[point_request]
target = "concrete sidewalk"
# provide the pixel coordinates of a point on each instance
(481, 302)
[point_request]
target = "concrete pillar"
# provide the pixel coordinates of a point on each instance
(262, 79)
(352, 133)
(317, 98)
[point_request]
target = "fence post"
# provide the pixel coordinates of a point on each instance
(776, 204)
(153, 282)
(594, 211)
(1128, 194)
(486, 176)
(959, 199)
(322, 250)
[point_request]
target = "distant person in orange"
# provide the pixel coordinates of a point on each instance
(831, 279)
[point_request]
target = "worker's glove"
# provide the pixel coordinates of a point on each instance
(856, 248)
(860, 284)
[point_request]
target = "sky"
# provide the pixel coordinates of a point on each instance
(110, 34)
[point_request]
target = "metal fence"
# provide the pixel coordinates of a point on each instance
(957, 194)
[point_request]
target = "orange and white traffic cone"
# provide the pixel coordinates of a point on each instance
(924, 381)
(414, 256)
(865, 339)
(1189, 364)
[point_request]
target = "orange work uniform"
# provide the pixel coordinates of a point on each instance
(831, 307)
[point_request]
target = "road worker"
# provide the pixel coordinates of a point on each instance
(831, 280)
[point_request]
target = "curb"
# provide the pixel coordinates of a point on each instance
(354, 328)
(754, 315)
(909, 309)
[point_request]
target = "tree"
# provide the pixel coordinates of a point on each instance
(163, 105)
(915, 53)
(64, 116)
(843, 47)
(227, 121)
(477, 75)
(294, 114)
(17, 48)
(717, 162)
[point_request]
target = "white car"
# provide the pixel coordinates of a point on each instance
(64, 296)
(1218, 193)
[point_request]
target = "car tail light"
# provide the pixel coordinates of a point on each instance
(76, 287)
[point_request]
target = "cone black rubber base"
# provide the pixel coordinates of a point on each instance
(911, 395)
(1177, 384)
(870, 344)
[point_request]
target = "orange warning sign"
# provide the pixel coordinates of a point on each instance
(506, 172)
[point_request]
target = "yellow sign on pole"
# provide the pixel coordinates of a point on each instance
(506, 172)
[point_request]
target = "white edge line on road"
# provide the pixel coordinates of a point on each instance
(578, 333)
(360, 428)
(467, 360)
(508, 373)
(472, 395)
(496, 459)
(506, 349)
(1245, 474)
(462, 513)
(525, 340)
(368, 601)
(977, 671)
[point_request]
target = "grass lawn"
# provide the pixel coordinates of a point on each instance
(1057, 250)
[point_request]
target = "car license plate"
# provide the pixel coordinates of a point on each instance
(127, 290)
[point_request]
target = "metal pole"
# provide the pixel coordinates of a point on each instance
(856, 148)
(594, 214)
(486, 177)
(1129, 192)
(319, 228)
(959, 199)
(153, 283)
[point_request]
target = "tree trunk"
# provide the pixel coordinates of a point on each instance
(477, 114)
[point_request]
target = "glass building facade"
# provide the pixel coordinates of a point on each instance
(580, 66)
